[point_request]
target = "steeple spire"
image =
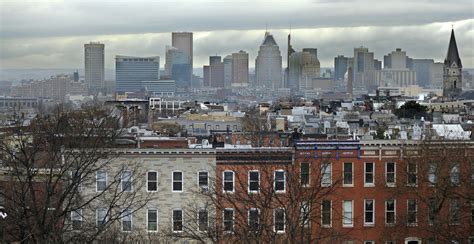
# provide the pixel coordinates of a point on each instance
(453, 54)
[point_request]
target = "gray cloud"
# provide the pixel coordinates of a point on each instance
(39, 34)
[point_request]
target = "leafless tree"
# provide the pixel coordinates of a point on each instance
(48, 168)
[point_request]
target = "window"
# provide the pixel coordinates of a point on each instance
(412, 174)
(254, 219)
(100, 216)
(455, 174)
(454, 212)
(177, 181)
(348, 174)
(203, 219)
(279, 183)
(368, 174)
(390, 212)
(228, 181)
(152, 181)
(389, 242)
(432, 170)
(2, 197)
(76, 219)
(412, 209)
(472, 212)
(390, 174)
(472, 173)
(254, 181)
(127, 220)
(347, 213)
(203, 181)
(126, 180)
(304, 174)
(326, 171)
(177, 220)
(152, 220)
(76, 179)
(369, 212)
(305, 210)
(228, 219)
(101, 180)
(326, 213)
(432, 205)
(369, 242)
(279, 220)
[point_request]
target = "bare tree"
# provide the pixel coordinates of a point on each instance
(436, 184)
(47, 168)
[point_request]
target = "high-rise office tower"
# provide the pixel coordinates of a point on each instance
(268, 63)
(304, 67)
(364, 68)
(290, 51)
(94, 63)
(228, 71)
(214, 59)
(395, 71)
(452, 71)
(131, 72)
(216, 72)
(340, 67)
(396, 60)
(240, 69)
(183, 41)
(422, 67)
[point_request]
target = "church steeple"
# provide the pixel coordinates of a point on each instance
(453, 54)
(452, 84)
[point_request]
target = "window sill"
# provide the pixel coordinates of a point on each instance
(369, 225)
(326, 226)
(369, 185)
(348, 226)
(347, 185)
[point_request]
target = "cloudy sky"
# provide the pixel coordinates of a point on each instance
(51, 34)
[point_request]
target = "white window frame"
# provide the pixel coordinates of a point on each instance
(248, 217)
(305, 212)
(105, 219)
(173, 181)
(432, 175)
(326, 166)
(455, 174)
(224, 181)
(351, 224)
(148, 220)
(76, 213)
(122, 180)
(122, 218)
(309, 174)
(97, 180)
(148, 180)
(79, 184)
(416, 212)
(391, 184)
(344, 174)
(373, 212)
(172, 220)
(201, 188)
(371, 184)
(274, 221)
(369, 242)
(199, 220)
(248, 188)
(232, 220)
(394, 212)
(275, 180)
(330, 214)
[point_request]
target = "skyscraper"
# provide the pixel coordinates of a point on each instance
(94, 66)
(216, 72)
(228, 71)
(396, 60)
(240, 69)
(183, 41)
(131, 72)
(422, 67)
(340, 67)
(268, 64)
(364, 68)
(304, 67)
(452, 71)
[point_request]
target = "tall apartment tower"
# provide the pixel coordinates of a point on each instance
(452, 71)
(228, 71)
(240, 69)
(340, 67)
(183, 41)
(364, 68)
(94, 63)
(268, 64)
(132, 72)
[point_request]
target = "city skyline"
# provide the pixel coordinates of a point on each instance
(29, 41)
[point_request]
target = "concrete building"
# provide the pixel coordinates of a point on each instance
(183, 41)
(436, 75)
(178, 66)
(396, 60)
(305, 67)
(131, 71)
(364, 69)
(390, 77)
(452, 72)
(228, 73)
(268, 64)
(94, 63)
(160, 87)
(422, 67)
(216, 71)
(340, 67)
(240, 69)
